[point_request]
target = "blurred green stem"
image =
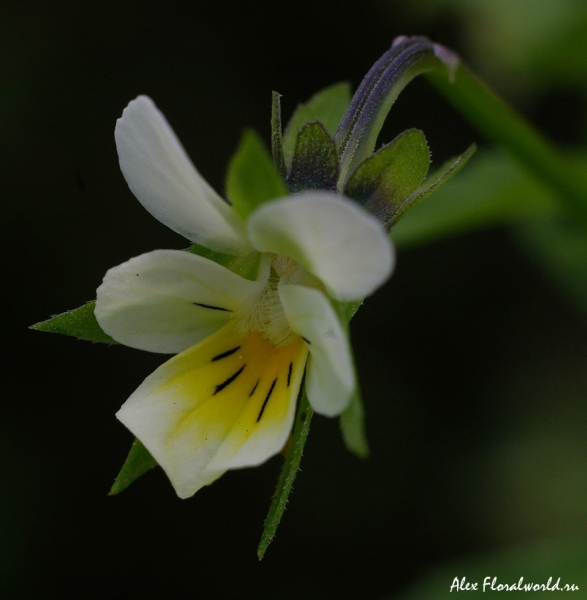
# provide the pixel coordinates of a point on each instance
(502, 125)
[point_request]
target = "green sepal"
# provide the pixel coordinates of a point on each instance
(352, 426)
(276, 135)
(384, 181)
(327, 106)
(352, 419)
(137, 463)
(79, 322)
(441, 176)
(246, 265)
(315, 161)
(252, 178)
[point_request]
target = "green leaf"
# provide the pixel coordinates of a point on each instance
(137, 463)
(80, 323)
(315, 161)
(441, 176)
(276, 137)
(288, 474)
(352, 425)
(493, 190)
(385, 180)
(327, 106)
(252, 178)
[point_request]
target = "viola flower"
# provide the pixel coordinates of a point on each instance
(227, 399)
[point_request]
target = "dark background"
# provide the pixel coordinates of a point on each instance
(472, 364)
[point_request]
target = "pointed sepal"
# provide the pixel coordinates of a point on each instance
(276, 135)
(246, 265)
(252, 178)
(352, 426)
(384, 181)
(439, 178)
(79, 322)
(315, 160)
(327, 106)
(137, 463)
(352, 418)
(288, 474)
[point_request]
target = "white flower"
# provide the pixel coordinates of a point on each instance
(227, 400)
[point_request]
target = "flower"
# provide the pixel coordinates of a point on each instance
(227, 399)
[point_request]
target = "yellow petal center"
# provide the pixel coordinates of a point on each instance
(235, 396)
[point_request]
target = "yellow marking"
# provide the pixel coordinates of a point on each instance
(241, 399)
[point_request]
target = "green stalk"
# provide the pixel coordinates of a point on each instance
(492, 117)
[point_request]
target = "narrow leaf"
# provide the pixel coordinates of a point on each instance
(288, 474)
(276, 136)
(327, 106)
(252, 178)
(315, 161)
(137, 463)
(80, 323)
(384, 181)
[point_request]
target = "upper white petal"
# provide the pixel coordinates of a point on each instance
(330, 236)
(330, 379)
(154, 301)
(164, 180)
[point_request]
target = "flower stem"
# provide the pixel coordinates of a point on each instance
(492, 117)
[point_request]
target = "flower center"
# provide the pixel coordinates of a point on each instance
(265, 313)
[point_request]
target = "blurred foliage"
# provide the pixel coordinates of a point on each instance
(532, 483)
(522, 46)
(535, 563)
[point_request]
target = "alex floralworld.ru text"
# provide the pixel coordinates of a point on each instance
(491, 584)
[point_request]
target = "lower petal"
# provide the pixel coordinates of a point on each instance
(225, 403)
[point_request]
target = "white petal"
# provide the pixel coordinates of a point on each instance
(330, 379)
(227, 402)
(169, 300)
(330, 236)
(164, 180)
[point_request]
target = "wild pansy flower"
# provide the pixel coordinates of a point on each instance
(227, 399)
(262, 298)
